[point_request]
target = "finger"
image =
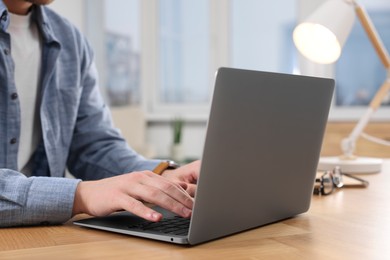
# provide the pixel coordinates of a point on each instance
(159, 197)
(183, 185)
(172, 205)
(191, 189)
(175, 190)
(138, 208)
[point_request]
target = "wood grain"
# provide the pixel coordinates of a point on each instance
(336, 131)
(352, 223)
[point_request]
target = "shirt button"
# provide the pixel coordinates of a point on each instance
(13, 141)
(6, 51)
(14, 96)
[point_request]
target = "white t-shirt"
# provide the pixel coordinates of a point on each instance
(26, 52)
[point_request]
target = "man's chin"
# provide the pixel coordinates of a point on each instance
(40, 2)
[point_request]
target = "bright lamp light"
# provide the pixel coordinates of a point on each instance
(317, 43)
(320, 38)
(322, 35)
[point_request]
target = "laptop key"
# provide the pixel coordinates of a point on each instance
(175, 225)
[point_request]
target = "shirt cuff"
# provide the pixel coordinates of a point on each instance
(50, 200)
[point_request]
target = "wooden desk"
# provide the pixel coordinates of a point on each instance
(349, 224)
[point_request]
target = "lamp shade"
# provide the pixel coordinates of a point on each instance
(322, 35)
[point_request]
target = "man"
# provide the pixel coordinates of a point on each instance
(52, 117)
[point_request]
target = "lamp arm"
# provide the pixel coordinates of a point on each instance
(348, 144)
(373, 35)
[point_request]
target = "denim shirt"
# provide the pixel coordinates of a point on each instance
(77, 129)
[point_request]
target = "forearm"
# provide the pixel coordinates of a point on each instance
(97, 148)
(35, 200)
(104, 157)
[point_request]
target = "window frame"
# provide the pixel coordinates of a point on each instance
(220, 35)
(155, 110)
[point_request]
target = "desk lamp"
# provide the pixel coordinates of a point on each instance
(320, 39)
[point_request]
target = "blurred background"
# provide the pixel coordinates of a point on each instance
(157, 60)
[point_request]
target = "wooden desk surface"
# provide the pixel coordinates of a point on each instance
(349, 224)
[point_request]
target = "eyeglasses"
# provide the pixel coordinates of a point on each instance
(331, 180)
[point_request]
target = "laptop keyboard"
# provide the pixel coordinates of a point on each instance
(174, 225)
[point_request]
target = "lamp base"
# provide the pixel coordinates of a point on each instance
(360, 165)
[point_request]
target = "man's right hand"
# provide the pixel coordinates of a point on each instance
(128, 192)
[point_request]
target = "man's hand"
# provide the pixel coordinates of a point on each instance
(186, 176)
(129, 191)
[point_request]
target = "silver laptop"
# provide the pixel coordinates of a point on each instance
(259, 161)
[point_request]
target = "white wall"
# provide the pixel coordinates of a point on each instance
(72, 10)
(160, 134)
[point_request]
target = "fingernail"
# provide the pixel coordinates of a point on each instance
(154, 216)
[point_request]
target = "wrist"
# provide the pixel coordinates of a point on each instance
(164, 166)
(78, 200)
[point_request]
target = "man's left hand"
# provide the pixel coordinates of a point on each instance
(186, 176)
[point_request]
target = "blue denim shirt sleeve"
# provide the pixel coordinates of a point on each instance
(25, 201)
(97, 149)
(77, 130)
(76, 123)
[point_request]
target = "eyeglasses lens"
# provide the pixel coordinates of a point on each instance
(327, 183)
(337, 177)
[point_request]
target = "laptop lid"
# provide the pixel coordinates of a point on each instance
(259, 162)
(261, 151)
